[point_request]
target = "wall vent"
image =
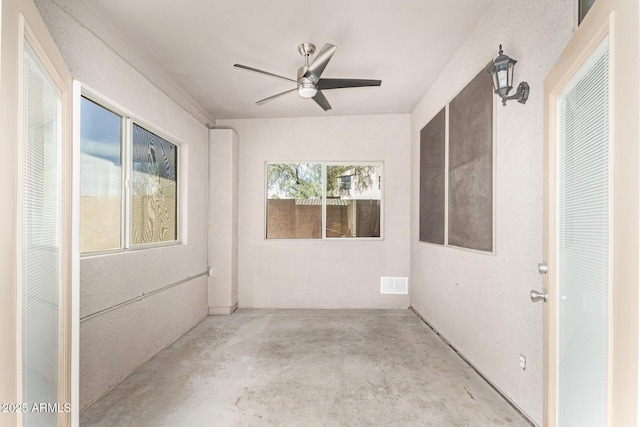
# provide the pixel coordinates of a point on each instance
(394, 285)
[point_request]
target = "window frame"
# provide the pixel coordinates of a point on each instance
(323, 184)
(126, 143)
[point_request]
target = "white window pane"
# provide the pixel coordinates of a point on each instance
(294, 201)
(354, 195)
(101, 178)
(154, 188)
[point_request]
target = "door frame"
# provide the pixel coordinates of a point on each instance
(619, 20)
(21, 21)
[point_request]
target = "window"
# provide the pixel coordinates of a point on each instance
(115, 150)
(323, 200)
(294, 201)
(101, 204)
(153, 189)
(354, 194)
(583, 8)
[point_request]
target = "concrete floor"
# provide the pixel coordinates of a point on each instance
(305, 368)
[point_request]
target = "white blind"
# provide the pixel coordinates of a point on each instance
(41, 223)
(583, 249)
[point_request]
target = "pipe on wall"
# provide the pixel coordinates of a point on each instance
(141, 297)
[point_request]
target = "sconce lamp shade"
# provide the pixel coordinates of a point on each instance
(501, 71)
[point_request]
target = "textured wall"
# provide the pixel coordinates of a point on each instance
(223, 285)
(480, 302)
(316, 273)
(115, 344)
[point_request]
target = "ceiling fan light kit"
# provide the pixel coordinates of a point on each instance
(308, 82)
(307, 90)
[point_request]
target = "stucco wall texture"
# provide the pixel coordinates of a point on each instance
(480, 302)
(223, 284)
(113, 345)
(336, 273)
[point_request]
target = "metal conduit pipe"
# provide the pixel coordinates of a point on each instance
(141, 297)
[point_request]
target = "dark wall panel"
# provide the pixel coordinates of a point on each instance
(471, 165)
(432, 180)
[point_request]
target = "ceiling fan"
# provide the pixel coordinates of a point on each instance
(309, 83)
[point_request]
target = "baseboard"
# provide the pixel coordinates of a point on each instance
(482, 375)
(217, 311)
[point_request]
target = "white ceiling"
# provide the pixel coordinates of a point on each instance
(404, 43)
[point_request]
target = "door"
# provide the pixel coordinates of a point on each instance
(35, 225)
(591, 223)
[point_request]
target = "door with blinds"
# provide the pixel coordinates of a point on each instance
(582, 268)
(591, 223)
(36, 131)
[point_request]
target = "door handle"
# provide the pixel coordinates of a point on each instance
(537, 296)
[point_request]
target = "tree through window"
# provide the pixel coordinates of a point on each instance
(352, 200)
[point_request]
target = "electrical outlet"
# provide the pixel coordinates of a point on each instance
(523, 362)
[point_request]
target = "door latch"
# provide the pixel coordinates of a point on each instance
(543, 268)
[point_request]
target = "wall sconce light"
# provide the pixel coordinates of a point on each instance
(502, 74)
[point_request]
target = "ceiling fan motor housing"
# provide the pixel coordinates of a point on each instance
(306, 86)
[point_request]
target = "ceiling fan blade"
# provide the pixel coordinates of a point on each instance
(263, 72)
(324, 84)
(319, 63)
(272, 97)
(322, 101)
